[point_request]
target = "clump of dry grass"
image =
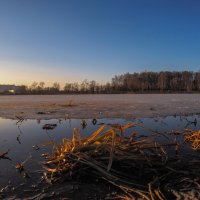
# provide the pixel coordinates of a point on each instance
(141, 168)
(69, 103)
(194, 138)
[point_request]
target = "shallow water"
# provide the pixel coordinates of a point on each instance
(27, 140)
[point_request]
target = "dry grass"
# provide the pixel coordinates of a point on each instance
(141, 168)
(193, 138)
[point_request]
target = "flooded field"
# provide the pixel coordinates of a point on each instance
(25, 142)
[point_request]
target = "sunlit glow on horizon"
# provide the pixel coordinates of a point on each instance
(20, 74)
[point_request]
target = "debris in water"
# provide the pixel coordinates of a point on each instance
(94, 121)
(18, 140)
(4, 155)
(83, 123)
(36, 147)
(19, 167)
(45, 113)
(49, 126)
(26, 175)
(20, 119)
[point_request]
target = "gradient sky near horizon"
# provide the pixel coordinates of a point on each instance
(73, 40)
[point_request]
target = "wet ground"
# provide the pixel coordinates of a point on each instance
(26, 140)
(98, 105)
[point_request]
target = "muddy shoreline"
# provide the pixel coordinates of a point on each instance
(98, 106)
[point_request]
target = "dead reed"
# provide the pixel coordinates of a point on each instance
(140, 167)
(194, 138)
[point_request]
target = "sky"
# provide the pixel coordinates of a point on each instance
(72, 40)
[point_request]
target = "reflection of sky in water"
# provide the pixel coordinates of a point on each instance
(20, 138)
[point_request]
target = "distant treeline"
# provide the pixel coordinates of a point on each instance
(144, 82)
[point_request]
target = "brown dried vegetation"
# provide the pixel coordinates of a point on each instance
(140, 167)
(194, 138)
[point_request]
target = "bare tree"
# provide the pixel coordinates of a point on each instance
(55, 88)
(33, 87)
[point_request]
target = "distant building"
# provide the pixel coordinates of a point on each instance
(10, 89)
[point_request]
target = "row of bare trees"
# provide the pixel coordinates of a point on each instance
(84, 87)
(164, 81)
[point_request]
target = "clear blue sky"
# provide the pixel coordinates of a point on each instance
(69, 40)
